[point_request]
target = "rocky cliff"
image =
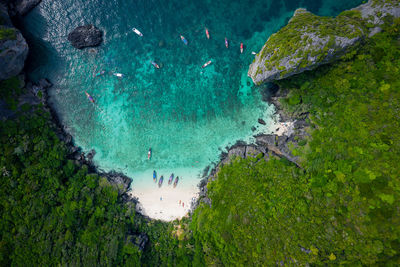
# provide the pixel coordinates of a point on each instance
(13, 47)
(309, 41)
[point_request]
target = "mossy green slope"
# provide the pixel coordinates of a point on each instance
(309, 41)
(344, 207)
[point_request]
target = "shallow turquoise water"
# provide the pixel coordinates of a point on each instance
(186, 114)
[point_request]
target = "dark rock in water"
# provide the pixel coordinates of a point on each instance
(22, 7)
(4, 18)
(85, 36)
(119, 180)
(44, 83)
(91, 154)
(68, 139)
(206, 170)
(261, 121)
(73, 149)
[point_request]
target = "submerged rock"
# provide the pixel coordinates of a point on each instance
(85, 36)
(309, 41)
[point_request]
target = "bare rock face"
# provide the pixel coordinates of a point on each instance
(13, 52)
(309, 41)
(375, 11)
(22, 7)
(85, 36)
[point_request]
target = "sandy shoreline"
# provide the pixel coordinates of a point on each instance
(166, 202)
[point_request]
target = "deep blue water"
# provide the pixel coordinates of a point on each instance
(186, 114)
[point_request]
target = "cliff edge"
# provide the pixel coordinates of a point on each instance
(309, 41)
(13, 47)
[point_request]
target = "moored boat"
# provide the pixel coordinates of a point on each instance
(226, 42)
(155, 64)
(176, 181)
(155, 176)
(170, 179)
(184, 40)
(207, 34)
(102, 72)
(160, 181)
(89, 97)
(241, 48)
(119, 75)
(206, 64)
(137, 32)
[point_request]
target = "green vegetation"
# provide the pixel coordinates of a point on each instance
(344, 207)
(7, 33)
(341, 208)
(10, 90)
(308, 36)
(53, 212)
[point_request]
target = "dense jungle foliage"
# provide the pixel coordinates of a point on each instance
(341, 208)
(53, 212)
(344, 207)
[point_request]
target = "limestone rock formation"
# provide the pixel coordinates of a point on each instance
(85, 36)
(22, 7)
(309, 41)
(13, 48)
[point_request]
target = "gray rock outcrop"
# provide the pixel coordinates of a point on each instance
(22, 7)
(120, 181)
(13, 48)
(85, 36)
(309, 41)
(374, 12)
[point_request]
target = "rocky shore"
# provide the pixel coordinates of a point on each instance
(309, 41)
(35, 95)
(265, 146)
(85, 36)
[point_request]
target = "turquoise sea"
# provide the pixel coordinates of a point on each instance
(186, 114)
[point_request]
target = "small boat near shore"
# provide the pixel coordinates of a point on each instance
(155, 65)
(207, 34)
(100, 73)
(206, 64)
(184, 40)
(171, 178)
(160, 181)
(241, 48)
(149, 154)
(176, 181)
(89, 97)
(137, 32)
(155, 176)
(119, 75)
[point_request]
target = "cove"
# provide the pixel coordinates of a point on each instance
(187, 115)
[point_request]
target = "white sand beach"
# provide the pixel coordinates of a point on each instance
(166, 202)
